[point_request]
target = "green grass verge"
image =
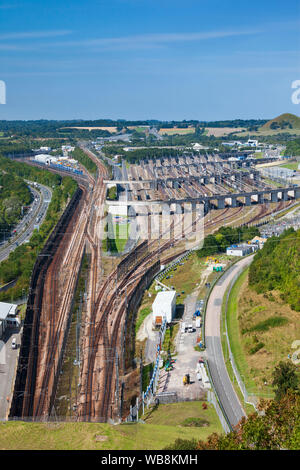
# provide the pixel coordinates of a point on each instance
(234, 332)
(163, 425)
(248, 408)
(235, 339)
(142, 314)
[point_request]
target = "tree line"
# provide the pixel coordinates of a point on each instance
(224, 237)
(14, 195)
(82, 157)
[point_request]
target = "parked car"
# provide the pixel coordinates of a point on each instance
(14, 343)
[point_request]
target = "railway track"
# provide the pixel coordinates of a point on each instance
(107, 304)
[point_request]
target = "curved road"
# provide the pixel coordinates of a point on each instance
(214, 353)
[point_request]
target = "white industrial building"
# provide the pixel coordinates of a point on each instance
(8, 317)
(163, 307)
(45, 158)
(240, 250)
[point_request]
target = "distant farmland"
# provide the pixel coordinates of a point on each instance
(221, 131)
(176, 130)
(109, 129)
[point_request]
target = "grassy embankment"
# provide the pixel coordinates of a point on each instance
(291, 166)
(261, 329)
(163, 426)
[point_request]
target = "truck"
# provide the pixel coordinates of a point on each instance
(198, 322)
(197, 313)
(183, 327)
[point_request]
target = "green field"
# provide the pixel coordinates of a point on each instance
(291, 166)
(176, 130)
(117, 236)
(162, 426)
(267, 132)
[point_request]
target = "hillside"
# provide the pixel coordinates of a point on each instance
(276, 267)
(283, 122)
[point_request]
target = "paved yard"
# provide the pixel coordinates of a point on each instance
(186, 359)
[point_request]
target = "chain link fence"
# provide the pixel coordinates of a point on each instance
(211, 398)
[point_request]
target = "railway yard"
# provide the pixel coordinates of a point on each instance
(115, 286)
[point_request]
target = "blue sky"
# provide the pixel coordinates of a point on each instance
(149, 59)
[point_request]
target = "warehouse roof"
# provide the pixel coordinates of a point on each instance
(164, 298)
(7, 309)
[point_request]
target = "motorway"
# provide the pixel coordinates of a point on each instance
(221, 381)
(26, 226)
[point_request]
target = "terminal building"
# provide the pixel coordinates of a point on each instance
(163, 307)
(240, 250)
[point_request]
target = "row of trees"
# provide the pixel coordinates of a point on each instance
(224, 237)
(293, 148)
(277, 267)
(14, 193)
(82, 157)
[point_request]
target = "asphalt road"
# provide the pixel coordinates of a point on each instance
(215, 358)
(26, 226)
(8, 365)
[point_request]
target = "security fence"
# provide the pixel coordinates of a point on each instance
(211, 398)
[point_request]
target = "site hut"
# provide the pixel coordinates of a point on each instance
(239, 250)
(163, 307)
(8, 317)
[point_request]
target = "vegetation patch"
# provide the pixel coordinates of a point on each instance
(195, 422)
(143, 313)
(261, 332)
(82, 158)
(224, 237)
(271, 322)
(276, 267)
(256, 348)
